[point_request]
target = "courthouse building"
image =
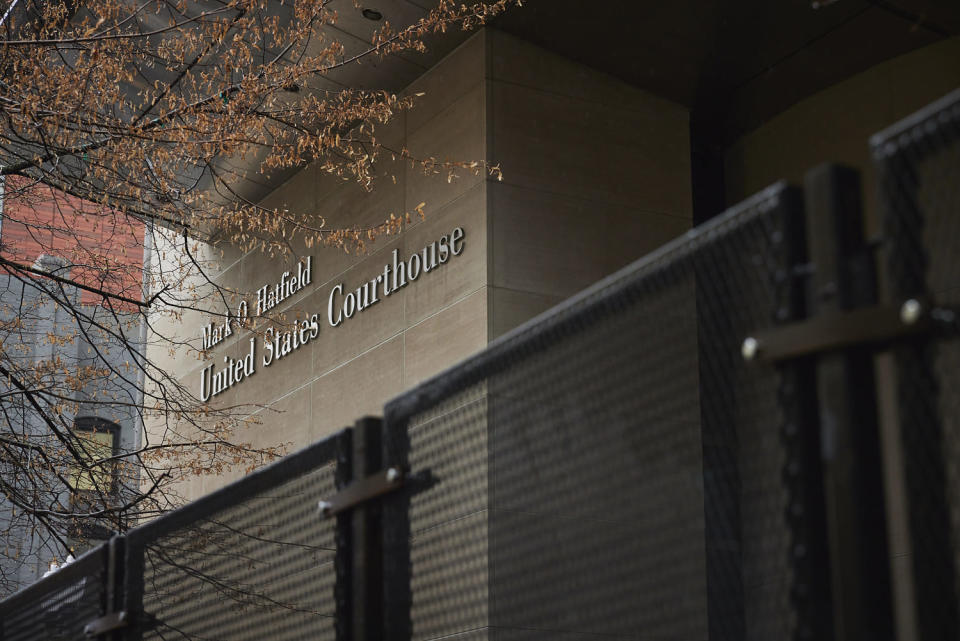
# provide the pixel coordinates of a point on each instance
(618, 126)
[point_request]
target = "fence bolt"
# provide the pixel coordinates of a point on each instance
(106, 623)
(750, 348)
(324, 507)
(910, 312)
(393, 475)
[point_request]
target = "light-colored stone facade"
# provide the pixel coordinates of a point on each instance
(595, 174)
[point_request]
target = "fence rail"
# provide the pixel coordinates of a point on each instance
(705, 444)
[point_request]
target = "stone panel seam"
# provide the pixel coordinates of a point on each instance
(317, 377)
(593, 201)
(454, 103)
(445, 308)
(646, 96)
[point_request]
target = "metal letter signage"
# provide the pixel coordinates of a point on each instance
(343, 303)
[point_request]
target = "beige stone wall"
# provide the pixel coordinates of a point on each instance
(596, 174)
(350, 370)
(835, 124)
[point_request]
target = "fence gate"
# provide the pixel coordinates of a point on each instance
(750, 434)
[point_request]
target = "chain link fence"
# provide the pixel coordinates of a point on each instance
(918, 162)
(250, 561)
(614, 467)
(58, 608)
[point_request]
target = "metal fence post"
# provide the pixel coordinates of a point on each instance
(133, 591)
(844, 279)
(115, 583)
(343, 560)
(397, 599)
(366, 541)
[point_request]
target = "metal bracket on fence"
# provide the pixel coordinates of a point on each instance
(113, 617)
(360, 491)
(834, 331)
(108, 623)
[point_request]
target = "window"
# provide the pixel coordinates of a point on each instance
(96, 440)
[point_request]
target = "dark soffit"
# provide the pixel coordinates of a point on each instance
(734, 64)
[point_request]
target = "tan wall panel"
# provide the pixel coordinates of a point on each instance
(293, 410)
(445, 338)
(354, 368)
(365, 329)
(835, 124)
(355, 389)
(514, 61)
(595, 174)
(456, 133)
(462, 274)
(458, 74)
(611, 155)
(510, 308)
(556, 245)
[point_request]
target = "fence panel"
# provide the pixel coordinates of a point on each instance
(254, 560)
(918, 163)
(59, 607)
(615, 467)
